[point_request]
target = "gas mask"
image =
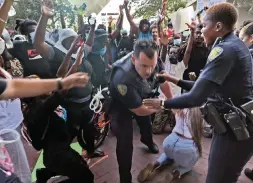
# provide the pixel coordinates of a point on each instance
(2, 46)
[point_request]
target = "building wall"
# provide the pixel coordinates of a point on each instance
(243, 15)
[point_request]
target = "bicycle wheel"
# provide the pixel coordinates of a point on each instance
(102, 127)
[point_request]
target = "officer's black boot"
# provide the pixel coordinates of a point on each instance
(249, 173)
(153, 148)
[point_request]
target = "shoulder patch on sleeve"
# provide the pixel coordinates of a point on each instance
(215, 52)
(122, 89)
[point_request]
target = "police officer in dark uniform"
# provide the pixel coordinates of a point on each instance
(133, 78)
(226, 81)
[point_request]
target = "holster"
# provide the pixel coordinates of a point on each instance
(213, 117)
(235, 118)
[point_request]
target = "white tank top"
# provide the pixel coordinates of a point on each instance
(183, 124)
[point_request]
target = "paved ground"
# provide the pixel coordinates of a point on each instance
(105, 169)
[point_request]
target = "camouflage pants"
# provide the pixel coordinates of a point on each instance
(162, 118)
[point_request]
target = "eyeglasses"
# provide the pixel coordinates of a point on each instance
(150, 44)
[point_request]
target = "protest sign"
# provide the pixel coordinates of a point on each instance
(181, 17)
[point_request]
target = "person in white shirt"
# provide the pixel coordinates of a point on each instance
(175, 67)
(182, 147)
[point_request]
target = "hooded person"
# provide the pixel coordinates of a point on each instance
(9, 63)
(23, 49)
(59, 46)
(97, 57)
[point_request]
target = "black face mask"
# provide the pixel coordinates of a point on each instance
(173, 59)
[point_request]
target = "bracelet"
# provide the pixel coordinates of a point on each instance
(3, 21)
(59, 84)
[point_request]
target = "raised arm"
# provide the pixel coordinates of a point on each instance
(21, 88)
(39, 41)
(188, 50)
(133, 26)
(119, 23)
(4, 14)
(64, 67)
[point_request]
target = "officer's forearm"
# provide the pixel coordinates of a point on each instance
(196, 97)
(185, 84)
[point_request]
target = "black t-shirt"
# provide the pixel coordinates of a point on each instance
(31, 61)
(126, 43)
(229, 65)
(3, 86)
(76, 93)
(55, 60)
(197, 61)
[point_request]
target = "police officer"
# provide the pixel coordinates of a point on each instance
(229, 66)
(246, 35)
(133, 78)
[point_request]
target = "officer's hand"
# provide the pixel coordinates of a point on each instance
(192, 76)
(152, 103)
(165, 76)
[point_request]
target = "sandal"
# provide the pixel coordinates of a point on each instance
(146, 172)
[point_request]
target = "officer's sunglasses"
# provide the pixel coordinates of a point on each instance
(149, 45)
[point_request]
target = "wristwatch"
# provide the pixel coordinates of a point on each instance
(59, 84)
(162, 104)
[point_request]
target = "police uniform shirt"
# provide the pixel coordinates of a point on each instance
(125, 93)
(229, 65)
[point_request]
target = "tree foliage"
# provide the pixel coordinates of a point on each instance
(148, 8)
(31, 9)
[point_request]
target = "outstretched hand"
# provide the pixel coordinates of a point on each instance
(152, 103)
(47, 8)
(75, 45)
(192, 26)
(166, 76)
(78, 79)
(164, 38)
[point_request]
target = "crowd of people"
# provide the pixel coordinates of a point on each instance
(155, 75)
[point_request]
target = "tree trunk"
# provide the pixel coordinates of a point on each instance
(63, 23)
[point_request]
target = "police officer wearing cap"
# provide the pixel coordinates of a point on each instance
(134, 78)
(226, 83)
